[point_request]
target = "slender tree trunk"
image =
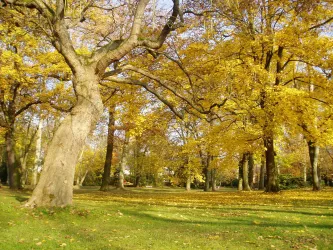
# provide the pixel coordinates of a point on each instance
(314, 157)
(251, 170)
(38, 160)
(12, 166)
(109, 151)
(207, 174)
(23, 161)
(55, 186)
(137, 180)
(240, 175)
(122, 164)
(262, 174)
(188, 183)
(83, 178)
(272, 175)
(245, 167)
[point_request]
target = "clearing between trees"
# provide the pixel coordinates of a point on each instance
(151, 218)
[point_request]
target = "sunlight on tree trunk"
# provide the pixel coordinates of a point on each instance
(55, 187)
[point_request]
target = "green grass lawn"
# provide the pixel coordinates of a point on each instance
(171, 219)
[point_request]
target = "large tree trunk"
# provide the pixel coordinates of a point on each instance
(272, 175)
(12, 165)
(245, 168)
(251, 170)
(262, 174)
(38, 160)
(109, 151)
(314, 157)
(55, 186)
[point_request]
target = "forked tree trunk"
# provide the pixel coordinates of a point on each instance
(245, 168)
(272, 175)
(262, 174)
(109, 151)
(55, 186)
(314, 157)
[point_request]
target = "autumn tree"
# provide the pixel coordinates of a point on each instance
(59, 19)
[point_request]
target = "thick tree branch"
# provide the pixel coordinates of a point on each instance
(149, 89)
(171, 25)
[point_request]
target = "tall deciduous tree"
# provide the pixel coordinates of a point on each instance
(57, 21)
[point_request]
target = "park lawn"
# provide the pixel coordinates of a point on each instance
(171, 219)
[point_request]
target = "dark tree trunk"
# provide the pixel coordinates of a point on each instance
(262, 174)
(272, 175)
(314, 155)
(251, 170)
(137, 180)
(109, 151)
(14, 179)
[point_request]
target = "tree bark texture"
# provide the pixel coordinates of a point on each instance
(314, 157)
(55, 186)
(109, 151)
(272, 175)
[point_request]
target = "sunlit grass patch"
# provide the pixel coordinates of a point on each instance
(171, 219)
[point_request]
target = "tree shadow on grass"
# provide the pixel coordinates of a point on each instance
(20, 198)
(248, 221)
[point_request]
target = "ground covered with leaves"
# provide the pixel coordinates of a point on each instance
(171, 219)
